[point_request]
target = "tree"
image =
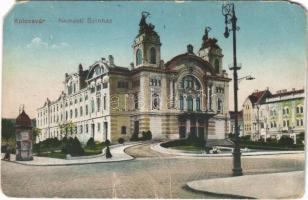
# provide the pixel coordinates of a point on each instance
(67, 128)
(8, 130)
(36, 133)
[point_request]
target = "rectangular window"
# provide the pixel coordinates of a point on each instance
(123, 130)
(98, 103)
(104, 102)
(92, 106)
(87, 128)
(105, 85)
(98, 126)
(87, 110)
(92, 89)
(98, 87)
(136, 83)
(122, 84)
(136, 101)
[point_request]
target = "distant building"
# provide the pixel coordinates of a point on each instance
(276, 114)
(231, 126)
(186, 95)
(249, 107)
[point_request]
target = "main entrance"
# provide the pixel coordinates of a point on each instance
(195, 124)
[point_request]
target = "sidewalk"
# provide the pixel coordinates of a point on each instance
(117, 152)
(157, 147)
(288, 185)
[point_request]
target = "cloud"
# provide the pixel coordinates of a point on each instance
(37, 42)
(62, 44)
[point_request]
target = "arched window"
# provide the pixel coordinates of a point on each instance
(216, 66)
(138, 57)
(153, 56)
(219, 105)
(198, 103)
(181, 103)
(70, 87)
(190, 106)
(81, 111)
(155, 101)
(190, 82)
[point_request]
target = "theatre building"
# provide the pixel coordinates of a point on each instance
(186, 95)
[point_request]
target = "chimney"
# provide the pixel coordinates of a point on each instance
(111, 60)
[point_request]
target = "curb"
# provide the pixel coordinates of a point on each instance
(83, 163)
(68, 164)
(159, 148)
(196, 186)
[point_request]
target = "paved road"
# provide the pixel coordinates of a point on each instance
(145, 177)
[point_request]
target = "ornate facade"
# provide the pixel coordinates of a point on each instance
(186, 95)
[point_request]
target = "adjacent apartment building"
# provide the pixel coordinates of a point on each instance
(273, 115)
(186, 95)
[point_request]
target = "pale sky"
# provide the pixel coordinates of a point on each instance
(271, 43)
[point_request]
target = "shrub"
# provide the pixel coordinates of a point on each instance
(134, 137)
(77, 148)
(91, 142)
(231, 136)
(271, 140)
(121, 140)
(194, 140)
(146, 135)
(300, 138)
(73, 147)
(245, 138)
(286, 140)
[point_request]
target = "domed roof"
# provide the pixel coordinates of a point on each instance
(23, 120)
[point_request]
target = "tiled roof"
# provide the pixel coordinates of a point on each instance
(259, 96)
(23, 120)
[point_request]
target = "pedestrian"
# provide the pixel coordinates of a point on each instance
(7, 155)
(108, 153)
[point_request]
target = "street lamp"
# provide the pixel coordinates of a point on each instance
(249, 78)
(230, 18)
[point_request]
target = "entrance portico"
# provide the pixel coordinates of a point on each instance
(194, 123)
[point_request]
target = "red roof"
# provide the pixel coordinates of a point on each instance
(23, 120)
(257, 96)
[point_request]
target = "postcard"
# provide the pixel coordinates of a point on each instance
(146, 99)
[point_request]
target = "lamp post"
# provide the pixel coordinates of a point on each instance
(249, 77)
(230, 18)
